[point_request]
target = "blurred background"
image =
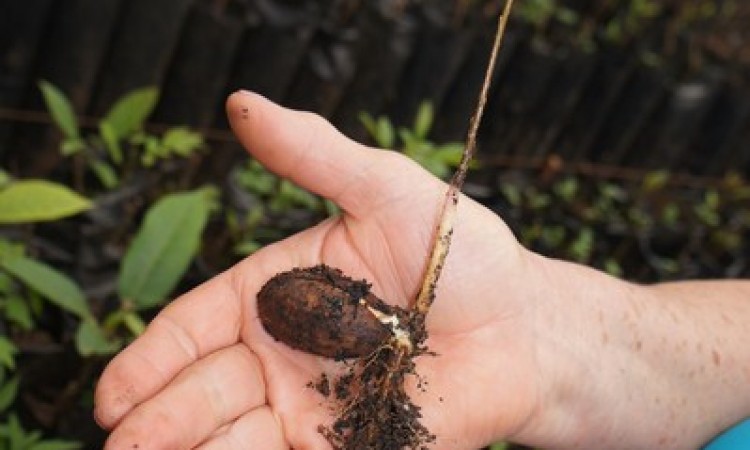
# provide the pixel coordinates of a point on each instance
(617, 135)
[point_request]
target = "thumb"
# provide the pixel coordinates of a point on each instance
(308, 150)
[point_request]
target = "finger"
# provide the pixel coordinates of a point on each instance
(257, 429)
(211, 393)
(196, 324)
(308, 150)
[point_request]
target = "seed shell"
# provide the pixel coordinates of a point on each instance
(320, 310)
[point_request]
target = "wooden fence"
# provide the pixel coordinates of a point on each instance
(601, 105)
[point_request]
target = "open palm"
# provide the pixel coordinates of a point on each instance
(205, 374)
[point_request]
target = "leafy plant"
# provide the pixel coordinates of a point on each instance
(267, 196)
(34, 201)
(632, 18)
(650, 224)
(121, 141)
(23, 282)
(146, 247)
(14, 437)
(438, 159)
(540, 12)
(12, 434)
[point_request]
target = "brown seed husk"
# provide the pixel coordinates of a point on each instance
(319, 310)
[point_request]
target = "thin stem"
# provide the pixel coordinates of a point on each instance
(444, 233)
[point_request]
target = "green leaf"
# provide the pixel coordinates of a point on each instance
(298, 196)
(8, 393)
(512, 193)
(670, 214)
(39, 200)
(6, 282)
(567, 16)
(712, 199)
(10, 249)
(16, 436)
(423, 120)
(451, 153)
(152, 150)
(247, 247)
(653, 181)
(105, 174)
(8, 352)
(60, 109)
(536, 199)
(707, 214)
(369, 123)
(612, 267)
(111, 141)
(71, 146)
(566, 188)
(385, 135)
(582, 247)
(499, 446)
(256, 179)
(134, 323)
(553, 235)
(182, 140)
(129, 113)
(332, 209)
(92, 340)
(5, 178)
(17, 310)
(164, 246)
(56, 444)
(57, 287)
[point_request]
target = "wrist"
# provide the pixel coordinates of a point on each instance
(585, 336)
(625, 365)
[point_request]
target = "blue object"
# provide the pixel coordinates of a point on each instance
(735, 438)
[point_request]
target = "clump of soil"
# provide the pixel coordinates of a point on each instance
(322, 311)
(376, 413)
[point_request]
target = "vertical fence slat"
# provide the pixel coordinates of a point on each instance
(563, 100)
(69, 57)
(722, 131)
(631, 119)
(523, 86)
(196, 78)
(21, 29)
(326, 69)
(610, 74)
(272, 49)
(452, 120)
(382, 49)
(141, 48)
(439, 51)
(686, 111)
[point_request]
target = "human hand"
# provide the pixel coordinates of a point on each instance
(205, 373)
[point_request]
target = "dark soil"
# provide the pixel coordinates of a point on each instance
(374, 410)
